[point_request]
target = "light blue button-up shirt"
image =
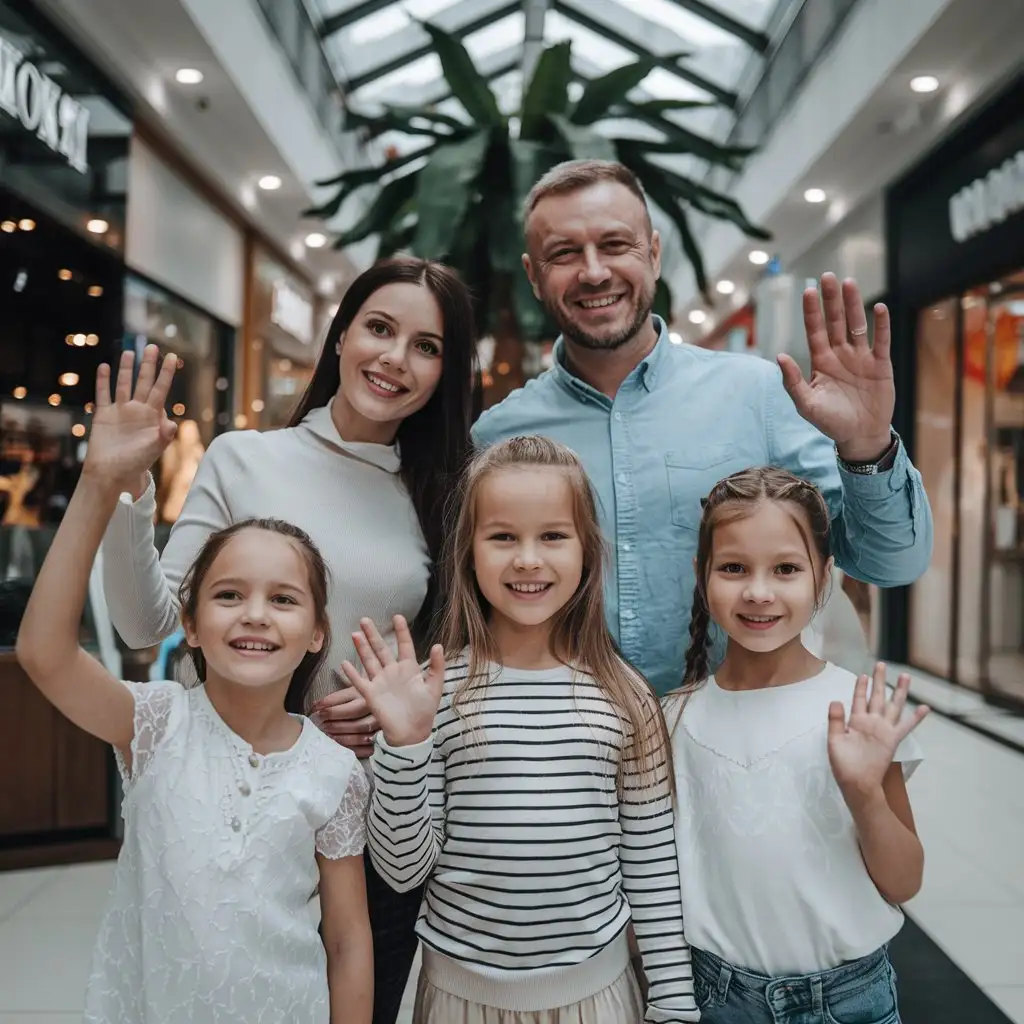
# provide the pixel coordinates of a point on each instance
(682, 420)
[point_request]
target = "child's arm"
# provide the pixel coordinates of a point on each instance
(347, 938)
(861, 753)
(124, 434)
(650, 879)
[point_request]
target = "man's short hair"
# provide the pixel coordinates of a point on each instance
(576, 175)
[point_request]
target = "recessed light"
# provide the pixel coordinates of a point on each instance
(924, 83)
(19, 392)
(64, 274)
(78, 340)
(725, 287)
(78, 430)
(178, 409)
(95, 291)
(68, 380)
(92, 340)
(315, 240)
(697, 316)
(8, 226)
(758, 257)
(54, 399)
(815, 195)
(188, 76)
(27, 224)
(269, 182)
(97, 226)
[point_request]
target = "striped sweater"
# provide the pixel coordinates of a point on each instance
(535, 864)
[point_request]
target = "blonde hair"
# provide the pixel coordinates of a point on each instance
(736, 497)
(579, 633)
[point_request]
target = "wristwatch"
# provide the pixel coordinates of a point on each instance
(881, 465)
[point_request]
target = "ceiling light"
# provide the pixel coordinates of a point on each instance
(78, 340)
(20, 392)
(89, 408)
(697, 316)
(68, 380)
(178, 409)
(269, 182)
(171, 331)
(188, 76)
(257, 405)
(815, 195)
(8, 226)
(54, 399)
(924, 83)
(92, 340)
(315, 240)
(97, 226)
(758, 257)
(78, 430)
(676, 339)
(27, 224)
(95, 291)
(64, 274)
(725, 287)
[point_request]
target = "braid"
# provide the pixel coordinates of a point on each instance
(697, 653)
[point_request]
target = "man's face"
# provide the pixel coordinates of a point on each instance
(594, 262)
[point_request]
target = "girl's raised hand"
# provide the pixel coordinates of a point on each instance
(130, 432)
(401, 696)
(861, 750)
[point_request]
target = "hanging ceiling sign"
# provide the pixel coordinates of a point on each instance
(988, 201)
(41, 106)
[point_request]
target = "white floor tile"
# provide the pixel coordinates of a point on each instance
(44, 964)
(40, 1018)
(19, 888)
(80, 891)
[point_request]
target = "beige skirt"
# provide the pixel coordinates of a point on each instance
(619, 1003)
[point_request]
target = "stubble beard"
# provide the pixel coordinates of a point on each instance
(606, 342)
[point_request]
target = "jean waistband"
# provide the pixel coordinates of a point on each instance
(791, 990)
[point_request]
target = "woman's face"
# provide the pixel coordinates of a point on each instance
(390, 362)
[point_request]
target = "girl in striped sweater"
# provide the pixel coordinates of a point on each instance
(528, 780)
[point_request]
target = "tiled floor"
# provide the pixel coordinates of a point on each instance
(968, 797)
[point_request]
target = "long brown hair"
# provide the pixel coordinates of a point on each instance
(579, 633)
(736, 497)
(434, 441)
(319, 582)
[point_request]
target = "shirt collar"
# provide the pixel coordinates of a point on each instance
(321, 423)
(647, 372)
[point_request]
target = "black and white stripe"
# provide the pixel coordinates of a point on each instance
(511, 813)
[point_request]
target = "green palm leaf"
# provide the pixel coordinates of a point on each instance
(660, 193)
(468, 86)
(663, 301)
(548, 92)
(381, 216)
(583, 143)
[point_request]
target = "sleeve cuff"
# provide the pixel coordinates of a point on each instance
(146, 504)
(877, 484)
(414, 755)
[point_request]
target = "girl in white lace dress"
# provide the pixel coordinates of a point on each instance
(237, 812)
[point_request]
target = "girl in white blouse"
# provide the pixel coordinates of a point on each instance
(237, 813)
(364, 468)
(794, 831)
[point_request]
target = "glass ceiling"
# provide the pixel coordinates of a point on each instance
(380, 55)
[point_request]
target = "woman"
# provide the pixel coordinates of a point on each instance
(364, 467)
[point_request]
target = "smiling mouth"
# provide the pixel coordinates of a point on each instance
(605, 302)
(386, 387)
(759, 621)
(528, 590)
(254, 646)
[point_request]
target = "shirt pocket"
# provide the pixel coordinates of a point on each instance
(691, 475)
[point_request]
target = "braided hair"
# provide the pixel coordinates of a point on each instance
(734, 498)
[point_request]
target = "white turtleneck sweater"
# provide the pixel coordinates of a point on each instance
(348, 497)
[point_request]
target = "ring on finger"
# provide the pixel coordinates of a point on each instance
(859, 332)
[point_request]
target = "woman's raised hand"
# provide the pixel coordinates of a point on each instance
(130, 432)
(402, 697)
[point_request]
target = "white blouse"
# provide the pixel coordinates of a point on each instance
(770, 869)
(214, 913)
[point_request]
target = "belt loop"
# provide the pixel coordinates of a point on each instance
(724, 981)
(816, 1000)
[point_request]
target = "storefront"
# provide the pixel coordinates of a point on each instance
(956, 271)
(287, 322)
(64, 140)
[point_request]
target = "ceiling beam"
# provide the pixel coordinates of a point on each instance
(350, 15)
(412, 42)
(535, 12)
(641, 27)
(757, 41)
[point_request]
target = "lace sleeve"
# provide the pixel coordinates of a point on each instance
(154, 703)
(344, 835)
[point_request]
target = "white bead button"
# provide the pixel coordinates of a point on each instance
(245, 789)
(254, 761)
(236, 825)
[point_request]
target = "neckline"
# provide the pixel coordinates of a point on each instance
(320, 422)
(243, 745)
(797, 684)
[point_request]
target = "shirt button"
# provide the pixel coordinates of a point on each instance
(236, 825)
(245, 789)
(254, 761)
(618, 415)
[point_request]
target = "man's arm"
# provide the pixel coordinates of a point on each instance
(881, 523)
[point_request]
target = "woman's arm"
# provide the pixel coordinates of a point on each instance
(347, 938)
(140, 585)
(129, 433)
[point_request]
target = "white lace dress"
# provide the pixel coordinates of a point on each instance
(214, 914)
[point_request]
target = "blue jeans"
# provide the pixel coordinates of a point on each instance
(860, 992)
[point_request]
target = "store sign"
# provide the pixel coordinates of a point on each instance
(292, 312)
(39, 103)
(988, 201)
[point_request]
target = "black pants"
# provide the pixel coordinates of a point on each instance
(393, 922)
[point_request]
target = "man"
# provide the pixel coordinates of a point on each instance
(657, 425)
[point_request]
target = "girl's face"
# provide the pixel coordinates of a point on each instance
(527, 553)
(255, 614)
(762, 585)
(390, 362)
